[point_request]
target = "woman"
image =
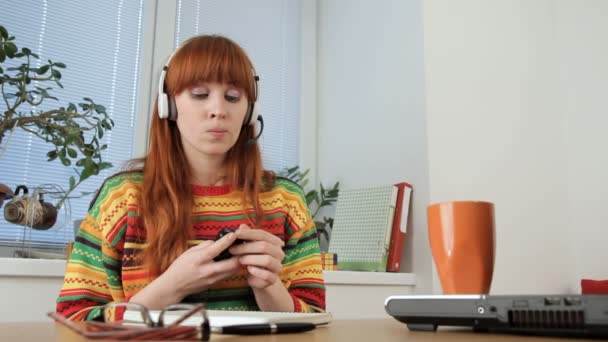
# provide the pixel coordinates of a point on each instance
(150, 235)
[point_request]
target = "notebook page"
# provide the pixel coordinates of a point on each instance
(222, 318)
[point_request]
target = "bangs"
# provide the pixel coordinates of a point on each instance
(210, 59)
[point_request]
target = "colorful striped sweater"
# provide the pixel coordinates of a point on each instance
(102, 268)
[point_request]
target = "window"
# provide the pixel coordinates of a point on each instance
(101, 44)
(99, 41)
(270, 33)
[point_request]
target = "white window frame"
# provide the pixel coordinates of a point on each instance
(159, 24)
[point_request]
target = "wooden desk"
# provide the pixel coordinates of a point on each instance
(386, 330)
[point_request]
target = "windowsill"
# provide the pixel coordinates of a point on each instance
(15, 267)
(369, 278)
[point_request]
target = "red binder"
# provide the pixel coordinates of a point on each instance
(398, 231)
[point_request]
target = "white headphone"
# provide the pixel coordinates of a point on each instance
(167, 109)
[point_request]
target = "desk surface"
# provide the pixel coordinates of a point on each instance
(386, 330)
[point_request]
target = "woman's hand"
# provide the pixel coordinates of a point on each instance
(193, 271)
(262, 254)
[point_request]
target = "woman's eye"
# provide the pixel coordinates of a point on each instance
(199, 92)
(233, 96)
(199, 95)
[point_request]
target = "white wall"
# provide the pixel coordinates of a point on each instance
(29, 288)
(582, 30)
(515, 106)
(371, 120)
(511, 94)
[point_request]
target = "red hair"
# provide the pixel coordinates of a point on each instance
(166, 198)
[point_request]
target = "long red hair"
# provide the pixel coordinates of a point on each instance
(166, 198)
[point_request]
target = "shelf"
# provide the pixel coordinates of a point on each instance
(369, 278)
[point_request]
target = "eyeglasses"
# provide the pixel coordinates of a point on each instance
(135, 330)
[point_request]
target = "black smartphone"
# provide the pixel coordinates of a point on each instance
(226, 253)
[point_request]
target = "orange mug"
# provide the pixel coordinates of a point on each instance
(462, 239)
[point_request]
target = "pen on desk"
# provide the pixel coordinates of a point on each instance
(265, 328)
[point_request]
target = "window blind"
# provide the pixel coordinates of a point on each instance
(100, 42)
(270, 33)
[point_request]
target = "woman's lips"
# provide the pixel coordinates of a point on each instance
(217, 132)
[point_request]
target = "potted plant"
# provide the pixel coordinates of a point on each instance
(73, 131)
(316, 200)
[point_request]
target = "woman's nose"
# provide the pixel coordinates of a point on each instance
(214, 114)
(217, 107)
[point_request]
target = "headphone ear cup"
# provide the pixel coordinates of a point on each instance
(254, 113)
(163, 106)
(172, 109)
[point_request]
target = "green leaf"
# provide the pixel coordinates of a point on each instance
(333, 193)
(90, 170)
(100, 133)
(72, 153)
(65, 161)
(2, 56)
(10, 49)
(305, 173)
(100, 109)
(26, 51)
(72, 182)
(104, 165)
(55, 73)
(3, 32)
(310, 196)
(87, 151)
(42, 70)
(86, 173)
(59, 65)
(35, 55)
(52, 155)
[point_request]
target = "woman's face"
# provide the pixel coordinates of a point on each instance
(209, 117)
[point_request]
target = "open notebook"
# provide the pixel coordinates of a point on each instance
(221, 318)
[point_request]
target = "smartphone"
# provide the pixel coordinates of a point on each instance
(226, 253)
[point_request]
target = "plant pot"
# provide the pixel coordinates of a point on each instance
(27, 211)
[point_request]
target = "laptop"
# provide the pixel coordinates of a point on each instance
(561, 315)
